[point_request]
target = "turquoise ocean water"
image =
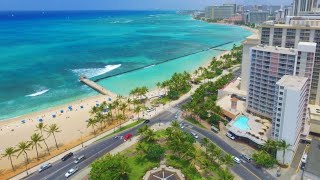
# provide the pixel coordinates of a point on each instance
(42, 54)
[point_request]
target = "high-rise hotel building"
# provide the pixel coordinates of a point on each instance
(290, 113)
(268, 64)
(289, 36)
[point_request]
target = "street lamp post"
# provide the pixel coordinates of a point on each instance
(81, 137)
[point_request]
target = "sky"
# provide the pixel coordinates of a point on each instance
(123, 4)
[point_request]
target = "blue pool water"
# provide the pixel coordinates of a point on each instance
(242, 123)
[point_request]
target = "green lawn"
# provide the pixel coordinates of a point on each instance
(195, 122)
(139, 166)
(123, 128)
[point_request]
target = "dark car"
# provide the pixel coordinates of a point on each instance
(245, 157)
(146, 121)
(67, 156)
(303, 165)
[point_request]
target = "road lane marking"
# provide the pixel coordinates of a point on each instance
(225, 151)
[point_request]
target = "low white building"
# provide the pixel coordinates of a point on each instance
(290, 113)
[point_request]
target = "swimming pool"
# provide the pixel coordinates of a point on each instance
(241, 122)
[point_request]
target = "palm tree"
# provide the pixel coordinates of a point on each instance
(94, 110)
(225, 175)
(129, 101)
(123, 108)
(41, 127)
(92, 123)
(120, 117)
(9, 152)
(35, 142)
(137, 110)
(159, 87)
(204, 143)
(228, 160)
(23, 147)
(99, 118)
(271, 147)
(52, 129)
(284, 147)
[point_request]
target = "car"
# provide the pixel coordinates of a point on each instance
(71, 172)
(181, 125)
(302, 166)
(146, 121)
(229, 135)
(44, 167)
(176, 116)
(79, 159)
(236, 160)
(128, 136)
(304, 158)
(67, 156)
(194, 135)
(245, 157)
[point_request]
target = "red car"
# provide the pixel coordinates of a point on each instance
(128, 136)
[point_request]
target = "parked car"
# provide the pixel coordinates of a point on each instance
(194, 135)
(176, 116)
(44, 167)
(67, 156)
(229, 135)
(128, 136)
(146, 121)
(79, 159)
(304, 158)
(236, 160)
(71, 172)
(245, 157)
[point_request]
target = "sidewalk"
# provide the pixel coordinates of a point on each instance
(157, 111)
(84, 172)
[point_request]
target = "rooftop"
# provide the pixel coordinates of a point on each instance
(292, 82)
(313, 160)
(274, 49)
(289, 26)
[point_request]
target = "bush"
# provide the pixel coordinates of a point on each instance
(263, 159)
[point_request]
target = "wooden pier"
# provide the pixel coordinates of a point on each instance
(94, 85)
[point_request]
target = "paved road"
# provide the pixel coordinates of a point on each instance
(244, 170)
(93, 151)
(97, 149)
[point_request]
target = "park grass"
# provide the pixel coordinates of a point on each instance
(123, 128)
(195, 122)
(139, 166)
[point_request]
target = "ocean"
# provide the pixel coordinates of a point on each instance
(42, 54)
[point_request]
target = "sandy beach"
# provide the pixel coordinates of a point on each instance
(72, 124)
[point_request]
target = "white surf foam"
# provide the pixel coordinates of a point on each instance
(149, 66)
(93, 72)
(38, 93)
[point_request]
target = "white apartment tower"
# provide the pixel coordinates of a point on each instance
(304, 6)
(269, 64)
(290, 112)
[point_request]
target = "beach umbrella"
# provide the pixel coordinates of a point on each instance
(23, 121)
(97, 104)
(109, 99)
(81, 107)
(61, 111)
(53, 115)
(40, 120)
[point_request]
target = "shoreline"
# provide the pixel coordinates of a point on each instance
(70, 122)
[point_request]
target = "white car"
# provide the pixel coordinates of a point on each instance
(194, 135)
(80, 158)
(304, 158)
(181, 125)
(236, 160)
(230, 136)
(44, 167)
(71, 171)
